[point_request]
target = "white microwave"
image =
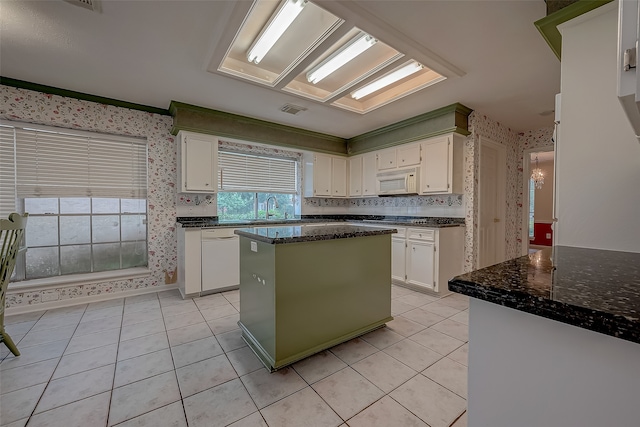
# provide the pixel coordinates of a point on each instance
(397, 182)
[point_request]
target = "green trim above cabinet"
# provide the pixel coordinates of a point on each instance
(452, 118)
(21, 84)
(548, 26)
(205, 120)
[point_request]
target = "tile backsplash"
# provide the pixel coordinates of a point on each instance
(436, 206)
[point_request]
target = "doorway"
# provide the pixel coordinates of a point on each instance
(491, 202)
(538, 199)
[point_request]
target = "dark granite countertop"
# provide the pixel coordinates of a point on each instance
(430, 222)
(593, 289)
(295, 234)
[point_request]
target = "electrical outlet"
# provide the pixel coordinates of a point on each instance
(548, 235)
(50, 296)
(254, 246)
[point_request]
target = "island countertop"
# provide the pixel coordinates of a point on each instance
(593, 289)
(295, 234)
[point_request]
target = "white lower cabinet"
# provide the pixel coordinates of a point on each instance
(189, 262)
(208, 261)
(398, 250)
(432, 256)
(420, 263)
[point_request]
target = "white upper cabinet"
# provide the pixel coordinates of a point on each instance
(408, 155)
(442, 165)
(325, 176)
(339, 176)
(399, 157)
(322, 175)
(355, 176)
(369, 175)
(387, 159)
(362, 175)
(197, 162)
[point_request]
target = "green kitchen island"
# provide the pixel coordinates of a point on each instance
(304, 289)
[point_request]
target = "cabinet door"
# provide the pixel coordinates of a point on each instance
(437, 166)
(369, 174)
(420, 263)
(322, 175)
(355, 176)
(199, 168)
(338, 177)
(409, 155)
(398, 250)
(387, 159)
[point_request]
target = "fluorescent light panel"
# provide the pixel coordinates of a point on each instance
(287, 13)
(386, 80)
(343, 55)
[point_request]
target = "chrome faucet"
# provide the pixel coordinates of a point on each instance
(275, 205)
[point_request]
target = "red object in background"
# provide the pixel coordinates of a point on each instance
(540, 231)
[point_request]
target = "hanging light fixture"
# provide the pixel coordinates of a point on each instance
(537, 176)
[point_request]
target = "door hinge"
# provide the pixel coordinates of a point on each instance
(629, 59)
(405, 277)
(435, 248)
(406, 245)
(448, 185)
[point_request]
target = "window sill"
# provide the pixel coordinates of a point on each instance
(77, 279)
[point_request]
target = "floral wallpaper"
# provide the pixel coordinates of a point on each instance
(515, 143)
(164, 205)
(35, 107)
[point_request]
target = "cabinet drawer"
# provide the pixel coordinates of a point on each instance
(402, 232)
(422, 234)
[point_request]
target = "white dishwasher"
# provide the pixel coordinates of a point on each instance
(220, 260)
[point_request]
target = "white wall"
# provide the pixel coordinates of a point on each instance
(598, 193)
(529, 371)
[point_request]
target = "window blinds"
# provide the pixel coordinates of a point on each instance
(249, 172)
(7, 172)
(48, 163)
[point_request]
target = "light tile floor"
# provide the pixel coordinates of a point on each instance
(159, 360)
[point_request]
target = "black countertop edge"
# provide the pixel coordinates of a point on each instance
(435, 222)
(296, 234)
(594, 320)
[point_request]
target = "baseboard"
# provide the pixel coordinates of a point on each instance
(85, 300)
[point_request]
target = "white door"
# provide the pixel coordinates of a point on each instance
(420, 263)
(398, 247)
(491, 203)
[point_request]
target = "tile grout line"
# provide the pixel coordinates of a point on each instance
(54, 369)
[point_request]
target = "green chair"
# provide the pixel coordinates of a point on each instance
(11, 233)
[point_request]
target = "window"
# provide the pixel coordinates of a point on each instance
(532, 207)
(247, 181)
(85, 194)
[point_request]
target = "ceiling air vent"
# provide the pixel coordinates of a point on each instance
(292, 109)
(93, 5)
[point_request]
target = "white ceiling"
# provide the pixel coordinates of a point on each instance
(152, 52)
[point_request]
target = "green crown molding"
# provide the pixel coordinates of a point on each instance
(21, 84)
(205, 120)
(452, 118)
(548, 26)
